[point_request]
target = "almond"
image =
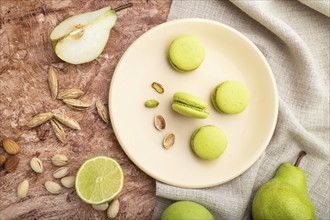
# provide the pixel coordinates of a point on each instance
(10, 146)
(2, 159)
(12, 163)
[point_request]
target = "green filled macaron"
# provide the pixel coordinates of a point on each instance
(189, 105)
(208, 142)
(186, 53)
(230, 97)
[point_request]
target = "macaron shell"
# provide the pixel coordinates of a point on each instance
(186, 53)
(231, 97)
(208, 142)
(189, 111)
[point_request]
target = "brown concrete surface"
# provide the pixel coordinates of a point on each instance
(25, 57)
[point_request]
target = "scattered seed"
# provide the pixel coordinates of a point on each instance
(76, 104)
(40, 119)
(53, 82)
(67, 121)
(102, 111)
(70, 94)
(59, 131)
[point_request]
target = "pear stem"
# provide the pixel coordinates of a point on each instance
(128, 5)
(300, 156)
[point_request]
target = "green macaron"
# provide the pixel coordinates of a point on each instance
(186, 53)
(230, 97)
(189, 105)
(208, 142)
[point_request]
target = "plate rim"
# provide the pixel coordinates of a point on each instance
(273, 83)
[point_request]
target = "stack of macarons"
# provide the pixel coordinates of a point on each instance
(186, 53)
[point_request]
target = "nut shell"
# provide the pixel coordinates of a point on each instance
(12, 163)
(23, 188)
(10, 146)
(113, 209)
(59, 160)
(53, 187)
(36, 165)
(60, 172)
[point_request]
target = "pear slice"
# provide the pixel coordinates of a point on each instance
(82, 38)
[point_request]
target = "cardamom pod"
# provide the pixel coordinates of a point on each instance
(23, 188)
(76, 104)
(59, 131)
(67, 121)
(70, 94)
(60, 172)
(101, 207)
(53, 82)
(102, 111)
(59, 160)
(113, 209)
(36, 165)
(39, 119)
(68, 181)
(53, 187)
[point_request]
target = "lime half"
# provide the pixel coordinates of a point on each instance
(99, 179)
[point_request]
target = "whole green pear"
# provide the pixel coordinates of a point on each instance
(285, 196)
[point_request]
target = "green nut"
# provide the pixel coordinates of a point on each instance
(151, 103)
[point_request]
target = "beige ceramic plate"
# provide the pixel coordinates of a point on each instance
(229, 56)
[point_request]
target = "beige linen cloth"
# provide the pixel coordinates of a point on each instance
(294, 37)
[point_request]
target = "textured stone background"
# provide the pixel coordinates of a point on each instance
(25, 57)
